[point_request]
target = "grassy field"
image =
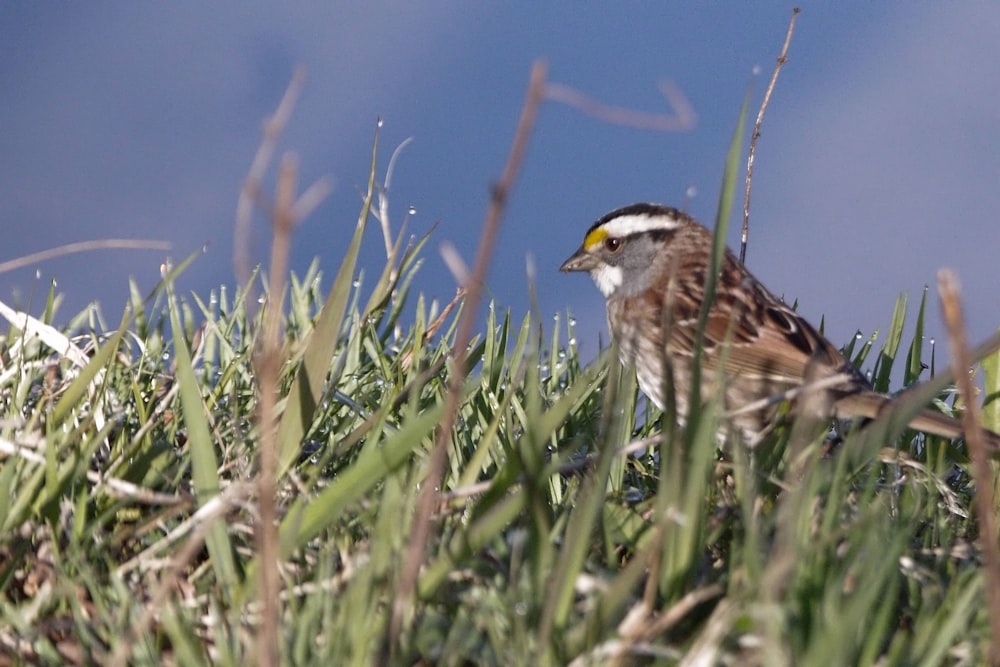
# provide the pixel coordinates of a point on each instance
(370, 476)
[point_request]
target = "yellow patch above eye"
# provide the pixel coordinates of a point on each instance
(595, 238)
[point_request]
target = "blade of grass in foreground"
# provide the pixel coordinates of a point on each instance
(584, 515)
(685, 470)
(201, 445)
(311, 514)
(890, 349)
(307, 387)
(914, 361)
(308, 516)
(991, 412)
(499, 506)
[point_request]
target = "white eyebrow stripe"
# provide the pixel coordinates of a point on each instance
(635, 224)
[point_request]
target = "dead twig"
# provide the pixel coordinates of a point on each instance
(82, 246)
(961, 362)
(273, 128)
(268, 363)
(684, 118)
(428, 498)
(782, 59)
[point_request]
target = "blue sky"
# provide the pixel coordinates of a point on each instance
(879, 161)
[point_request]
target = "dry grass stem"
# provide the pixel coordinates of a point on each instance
(782, 59)
(428, 498)
(268, 363)
(273, 129)
(82, 246)
(961, 361)
(683, 118)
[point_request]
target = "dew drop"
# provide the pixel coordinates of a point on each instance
(38, 274)
(379, 124)
(412, 210)
(691, 192)
(356, 283)
(571, 321)
(756, 70)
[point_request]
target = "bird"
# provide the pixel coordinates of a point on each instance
(650, 262)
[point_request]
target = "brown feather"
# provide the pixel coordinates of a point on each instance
(753, 343)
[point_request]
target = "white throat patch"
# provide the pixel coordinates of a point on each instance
(608, 279)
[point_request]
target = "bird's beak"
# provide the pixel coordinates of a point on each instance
(580, 261)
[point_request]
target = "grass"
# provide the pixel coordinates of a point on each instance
(132, 532)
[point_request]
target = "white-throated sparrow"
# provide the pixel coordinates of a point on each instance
(650, 262)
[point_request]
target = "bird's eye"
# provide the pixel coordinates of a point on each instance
(612, 244)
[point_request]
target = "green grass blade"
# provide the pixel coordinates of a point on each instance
(201, 445)
(914, 357)
(584, 515)
(887, 357)
(991, 399)
(308, 516)
(79, 388)
(311, 377)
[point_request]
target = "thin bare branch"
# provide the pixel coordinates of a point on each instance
(456, 265)
(684, 118)
(310, 198)
(429, 497)
(961, 361)
(268, 363)
(782, 59)
(273, 129)
(82, 246)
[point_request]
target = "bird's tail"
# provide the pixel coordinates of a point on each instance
(872, 406)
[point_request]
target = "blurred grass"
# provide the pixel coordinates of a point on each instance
(128, 526)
